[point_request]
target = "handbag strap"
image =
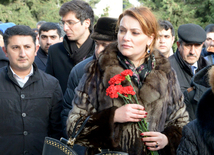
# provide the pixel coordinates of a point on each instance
(73, 135)
(71, 140)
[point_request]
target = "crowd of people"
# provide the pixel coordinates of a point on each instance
(56, 75)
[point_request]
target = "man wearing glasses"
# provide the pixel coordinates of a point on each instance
(77, 18)
(209, 44)
(187, 60)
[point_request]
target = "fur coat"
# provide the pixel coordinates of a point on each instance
(160, 95)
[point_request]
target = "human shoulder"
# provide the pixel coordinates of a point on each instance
(82, 64)
(3, 70)
(162, 63)
(172, 58)
(47, 77)
(108, 57)
(56, 48)
(79, 69)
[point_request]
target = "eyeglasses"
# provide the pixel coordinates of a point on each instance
(69, 23)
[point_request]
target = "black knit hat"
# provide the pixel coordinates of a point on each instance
(104, 29)
(192, 33)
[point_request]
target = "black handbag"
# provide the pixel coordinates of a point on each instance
(55, 147)
(64, 147)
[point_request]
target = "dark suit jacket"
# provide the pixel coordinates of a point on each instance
(41, 59)
(59, 63)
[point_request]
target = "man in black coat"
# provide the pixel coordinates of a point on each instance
(49, 34)
(30, 100)
(104, 34)
(187, 60)
(77, 19)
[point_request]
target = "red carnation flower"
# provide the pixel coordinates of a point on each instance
(128, 90)
(117, 79)
(113, 91)
(127, 72)
(126, 93)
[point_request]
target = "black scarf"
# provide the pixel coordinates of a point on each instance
(139, 73)
(79, 54)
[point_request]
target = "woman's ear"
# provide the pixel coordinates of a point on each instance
(151, 38)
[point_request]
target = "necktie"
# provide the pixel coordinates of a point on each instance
(193, 69)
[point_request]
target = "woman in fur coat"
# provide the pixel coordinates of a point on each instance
(113, 124)
(198, 135)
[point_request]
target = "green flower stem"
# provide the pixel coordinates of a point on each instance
(143, 127)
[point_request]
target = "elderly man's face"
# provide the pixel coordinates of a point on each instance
(190, 52)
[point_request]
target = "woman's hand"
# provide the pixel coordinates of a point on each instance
(154, 140)
(130, 113)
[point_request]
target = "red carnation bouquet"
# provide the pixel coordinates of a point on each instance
(116, 90)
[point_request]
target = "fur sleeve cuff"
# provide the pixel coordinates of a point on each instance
(106, 134)
(174, 135)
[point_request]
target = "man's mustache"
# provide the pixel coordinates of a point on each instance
(191, 55)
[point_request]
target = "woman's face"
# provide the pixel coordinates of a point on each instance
(131, 39)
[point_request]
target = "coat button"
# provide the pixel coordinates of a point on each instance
(23, 114)
(25, 133)
(22, 96)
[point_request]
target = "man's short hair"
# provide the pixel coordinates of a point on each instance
(210, 29)
(82, 10)
(164, 24)
(21, 30)
(39, 23)
(50, 26)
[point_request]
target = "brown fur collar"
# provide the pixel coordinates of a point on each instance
(108, 59)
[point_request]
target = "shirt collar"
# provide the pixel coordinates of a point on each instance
(195, 64)
(16, 76)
